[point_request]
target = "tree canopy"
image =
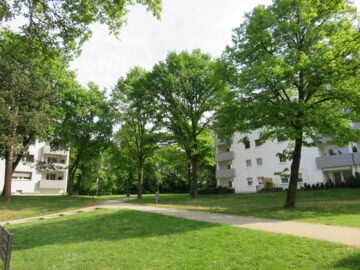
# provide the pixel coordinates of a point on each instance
(85, 125)
(66, 24)
(136, 110)
(188, 93)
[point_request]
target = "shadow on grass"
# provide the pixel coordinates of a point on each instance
(350, 263)
(100, 225)
(23, 203)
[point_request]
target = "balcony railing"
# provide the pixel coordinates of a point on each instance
(338, 160)
(47, 150)
(224, 156)
(227, 173)
(55, 167)
(52, 183)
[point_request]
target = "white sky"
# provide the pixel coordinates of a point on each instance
(184, 25)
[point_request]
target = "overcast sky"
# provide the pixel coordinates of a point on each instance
(184, 25)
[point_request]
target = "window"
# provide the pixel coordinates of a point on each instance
(258, 142)
(284, 180)
(50, 176)
(229, 166)
(332, 152)
(259, 162)
(52, 160)
(260, 180)
(248, 163)
(230, 184)
(21, 176)
(27, 158)
(249, 181)
(300, 178)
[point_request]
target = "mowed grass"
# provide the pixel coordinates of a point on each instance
(28, 206)
(333, 206)
(124, 239)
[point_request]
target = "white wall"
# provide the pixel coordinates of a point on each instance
(270, 163)
(31, 186)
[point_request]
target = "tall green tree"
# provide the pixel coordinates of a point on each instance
(294, 71)
(135, 105)
(28, 91)
(188, 93)
(66, 23)
(86, 125)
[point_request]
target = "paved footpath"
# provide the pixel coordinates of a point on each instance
(337, 234)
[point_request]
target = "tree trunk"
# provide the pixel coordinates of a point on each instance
(9, 159)
(189, 175)
(72, 177)
(8, 173)
(19, 156)
(194, 176)
(128, 184)
(295, 166)
(140, 180)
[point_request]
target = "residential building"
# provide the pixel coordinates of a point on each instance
(42, 171)
(246, 163)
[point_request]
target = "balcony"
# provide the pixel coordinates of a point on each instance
(338, 161)
(52, 184)
(47, 150)
(54, 167)
(227, 173)
(224, 156)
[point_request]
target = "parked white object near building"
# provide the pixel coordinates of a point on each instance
(42, 171)
(244, 165)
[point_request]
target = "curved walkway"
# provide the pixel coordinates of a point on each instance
(337, 234)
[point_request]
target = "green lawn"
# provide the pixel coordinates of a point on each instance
(124, 239)
(335, 206)
(28, 206)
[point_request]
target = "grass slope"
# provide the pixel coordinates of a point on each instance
(108, 239)
(334, 206)
(28, 206)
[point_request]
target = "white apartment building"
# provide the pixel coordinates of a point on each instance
(244, 166)
(42, 171)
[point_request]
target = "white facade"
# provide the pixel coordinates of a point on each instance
(244, 167)
(42, 171)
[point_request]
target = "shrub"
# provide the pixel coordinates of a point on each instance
(329, 185)
(216, 190)
(307, 186)
(268, 184)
